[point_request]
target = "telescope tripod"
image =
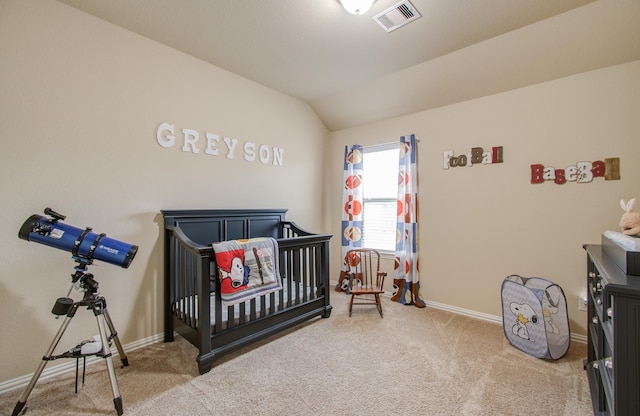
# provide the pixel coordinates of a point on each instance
(98, 305)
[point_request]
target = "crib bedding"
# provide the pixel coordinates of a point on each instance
(247, 269)
(251, 309)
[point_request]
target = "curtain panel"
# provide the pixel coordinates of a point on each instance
(406, 281)
(352, 206)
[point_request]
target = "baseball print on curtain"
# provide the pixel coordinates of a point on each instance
(352, 205)
(406, 277)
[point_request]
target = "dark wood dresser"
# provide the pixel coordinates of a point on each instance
(613, 355)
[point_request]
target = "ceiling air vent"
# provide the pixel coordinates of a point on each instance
(397, 16)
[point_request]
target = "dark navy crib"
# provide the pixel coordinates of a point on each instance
(192, 303)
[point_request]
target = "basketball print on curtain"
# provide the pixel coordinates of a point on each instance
(352, 205)
(406, 276)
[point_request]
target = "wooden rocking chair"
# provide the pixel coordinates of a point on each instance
(366, 281)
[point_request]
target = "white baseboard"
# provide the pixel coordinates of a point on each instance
(491, 318)
(479, 315)
(70, 365)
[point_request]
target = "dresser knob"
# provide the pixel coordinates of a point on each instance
(608, 363)
(599, 301)
(595, 365)
(595, 320)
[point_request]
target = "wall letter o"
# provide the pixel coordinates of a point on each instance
(264, 153)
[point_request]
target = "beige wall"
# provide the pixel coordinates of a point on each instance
(479, 224)
(80, 104)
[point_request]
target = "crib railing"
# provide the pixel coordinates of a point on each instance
(304, 268)
(187, 267)
(303, 261)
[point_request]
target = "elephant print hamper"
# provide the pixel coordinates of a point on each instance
(534, 316)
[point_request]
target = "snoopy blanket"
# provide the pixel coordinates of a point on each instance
(247, 268)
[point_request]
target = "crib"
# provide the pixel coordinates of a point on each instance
(192, 302)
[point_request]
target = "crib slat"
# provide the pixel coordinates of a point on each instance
(217, 307)
(310, 289)
(231, 318)
(262, 311)
(296, 282)
(305, 273)
(282, 292)
(188, 289)
(272, 301)
(318, 271)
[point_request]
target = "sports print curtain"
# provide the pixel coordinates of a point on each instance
(352, 205)
(406, 277)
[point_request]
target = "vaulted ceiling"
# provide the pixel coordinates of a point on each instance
(351, 71)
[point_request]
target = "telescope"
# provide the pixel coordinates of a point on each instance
(84, 245)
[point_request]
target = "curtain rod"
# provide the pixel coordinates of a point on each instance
(385, 145)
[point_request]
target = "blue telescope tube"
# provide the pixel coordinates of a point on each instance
(84, 245)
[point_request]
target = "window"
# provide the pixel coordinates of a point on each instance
(380, 196)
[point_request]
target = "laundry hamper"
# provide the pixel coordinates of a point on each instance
(534, 316)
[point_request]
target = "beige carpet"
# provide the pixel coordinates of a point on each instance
(414, 361)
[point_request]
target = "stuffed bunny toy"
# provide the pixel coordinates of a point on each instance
(630, 221)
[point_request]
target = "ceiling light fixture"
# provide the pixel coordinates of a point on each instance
(356, 7)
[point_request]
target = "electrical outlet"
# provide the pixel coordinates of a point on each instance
(582, 302)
